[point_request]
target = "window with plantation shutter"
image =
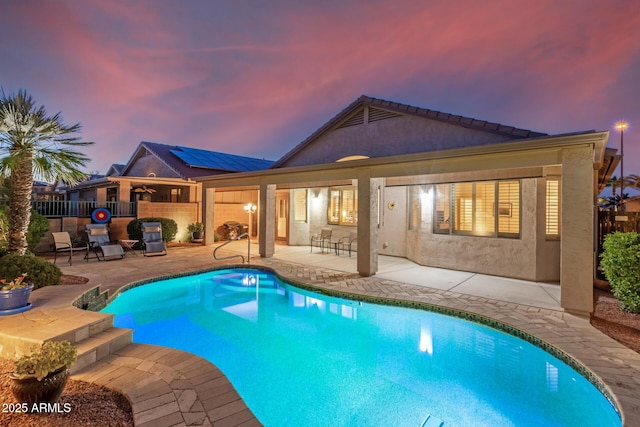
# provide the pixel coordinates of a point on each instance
(463, 207)
(442, 208)
(508, 208)
(486, 208)
(343, 206)
(552, 216)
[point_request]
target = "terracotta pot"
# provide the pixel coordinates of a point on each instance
(30, 390)
(15, 298)
(601, 284)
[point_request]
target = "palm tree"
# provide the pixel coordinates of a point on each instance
(33, 144)
(633, 181)
(614, 184)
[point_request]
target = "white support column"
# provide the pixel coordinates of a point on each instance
(267, 228)
(368, 211)
(577, 231)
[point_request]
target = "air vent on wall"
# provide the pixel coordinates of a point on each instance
(376, 114)
(356, 119)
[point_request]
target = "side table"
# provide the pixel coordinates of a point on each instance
(127, 246)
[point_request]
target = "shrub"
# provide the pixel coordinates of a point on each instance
(39, 271)
(195, 227)
(38, 227)
(169, 228)
(621, 264)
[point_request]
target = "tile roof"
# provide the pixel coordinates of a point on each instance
(467, 122)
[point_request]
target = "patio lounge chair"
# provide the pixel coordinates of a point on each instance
(152, 241)
(346, 243)
(62, 243)
(101, 244)
(322, 239)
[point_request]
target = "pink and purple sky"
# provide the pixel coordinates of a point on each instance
(255, 78)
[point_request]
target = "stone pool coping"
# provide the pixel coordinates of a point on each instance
(617, 367)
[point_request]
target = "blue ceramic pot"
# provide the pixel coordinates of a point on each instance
(15, 298)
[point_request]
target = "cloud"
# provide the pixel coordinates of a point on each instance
(255, 79)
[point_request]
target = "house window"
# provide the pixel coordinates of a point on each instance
(442, 209)
(552, 211)
(470, 208)
(509, 209)
(300, 205)
(343, 206)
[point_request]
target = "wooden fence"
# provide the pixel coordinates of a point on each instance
(608, 222)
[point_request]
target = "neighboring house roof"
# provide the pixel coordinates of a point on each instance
(381, 109)
(115, 169)
(192, 162)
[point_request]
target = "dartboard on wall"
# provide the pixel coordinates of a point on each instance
(100, 216)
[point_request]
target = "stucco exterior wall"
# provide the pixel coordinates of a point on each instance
(394, 136)
(514, 258)
(578, 184)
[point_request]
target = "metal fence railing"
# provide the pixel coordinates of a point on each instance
(80, 209)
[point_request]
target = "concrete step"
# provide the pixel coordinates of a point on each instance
(100, 345)
(92, 324)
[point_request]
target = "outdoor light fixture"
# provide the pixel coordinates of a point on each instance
(250, 208)
(621, 126)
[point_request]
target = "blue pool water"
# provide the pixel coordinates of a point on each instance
(303, 359)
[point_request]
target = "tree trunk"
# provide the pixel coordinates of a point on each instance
(20, 208)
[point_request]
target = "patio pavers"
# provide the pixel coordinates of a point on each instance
(170, 387)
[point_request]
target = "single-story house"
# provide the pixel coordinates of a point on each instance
(439, 189)
(157, 181)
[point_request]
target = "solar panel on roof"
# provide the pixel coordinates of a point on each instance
(222, 161)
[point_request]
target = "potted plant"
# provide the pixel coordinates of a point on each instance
(41, 376)
(14, 295)
(197, 231)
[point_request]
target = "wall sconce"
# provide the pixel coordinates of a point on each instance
(315, 192)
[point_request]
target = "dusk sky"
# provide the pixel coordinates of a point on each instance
(255, 77)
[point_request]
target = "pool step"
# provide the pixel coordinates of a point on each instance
(95, 338)
(100, 345)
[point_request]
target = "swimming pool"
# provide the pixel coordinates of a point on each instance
(301, 358)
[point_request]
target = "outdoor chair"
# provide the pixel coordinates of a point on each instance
(321, 239)
(62, 243)
(347, 242)
(101, 244)
(152, 241)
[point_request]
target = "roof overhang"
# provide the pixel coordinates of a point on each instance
(133, 180)
(608, 165)
(535, 151)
